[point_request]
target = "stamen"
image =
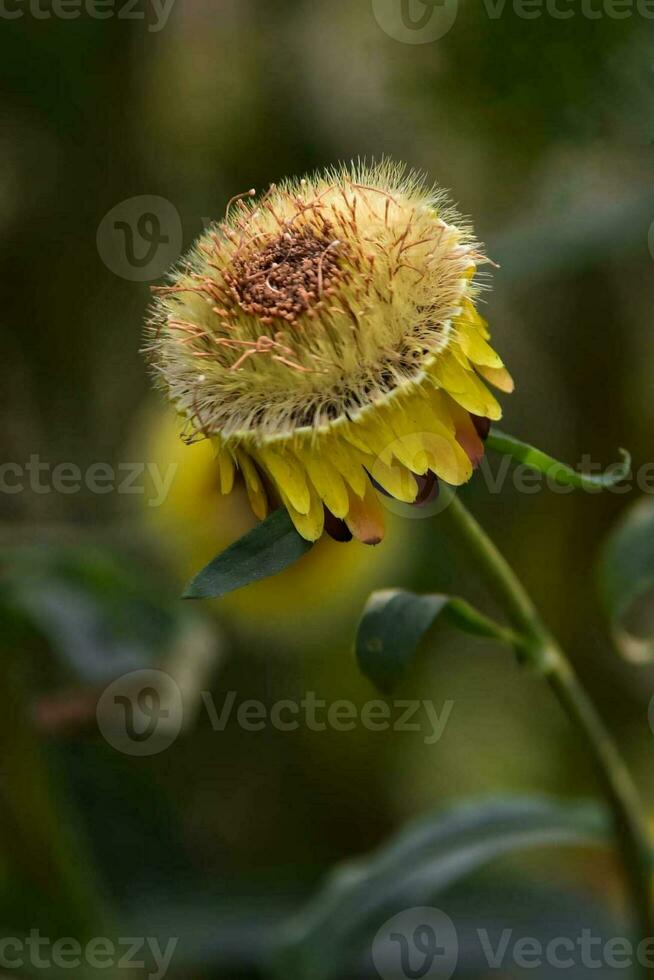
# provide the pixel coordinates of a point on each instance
(238, 197)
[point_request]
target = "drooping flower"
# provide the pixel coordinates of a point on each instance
(326, 339)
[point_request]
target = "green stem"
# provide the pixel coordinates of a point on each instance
(545, 653)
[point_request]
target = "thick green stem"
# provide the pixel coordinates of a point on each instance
(541, 648)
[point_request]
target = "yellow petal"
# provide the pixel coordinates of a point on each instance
(288, 475)
(465, 387)
(423, 441)
(478, 399)
(340, 453)
(449, 372)
(227, 470)
(441, 406)
(472, 317)
(499, 377)
(440, 453)
(395, 478)
(466, 434)
(371, 433)
(458, 354)
(477, 349)
(365, 518)
(309, 525)
(427, 411)
(410, 451)
(327, 481)
(255, 489)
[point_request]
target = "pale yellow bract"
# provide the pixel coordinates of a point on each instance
(325, 335)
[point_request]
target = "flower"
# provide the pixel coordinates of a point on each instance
(326, 339)
(193, 521)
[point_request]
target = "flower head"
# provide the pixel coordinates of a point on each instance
(325, 338)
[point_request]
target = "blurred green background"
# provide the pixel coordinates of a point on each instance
(543, 131)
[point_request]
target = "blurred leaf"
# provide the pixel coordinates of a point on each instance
(226, 930)
(266, 550)
(500, 442)
(626, 575)
(100, 615)
(429, 856)
(394, 622)
(545, 907)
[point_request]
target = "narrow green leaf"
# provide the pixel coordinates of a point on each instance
(393, 623)
(267, 549)
(500, 442)
(626, 580)
(428, 856)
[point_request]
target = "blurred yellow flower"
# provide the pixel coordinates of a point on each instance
(194, 521)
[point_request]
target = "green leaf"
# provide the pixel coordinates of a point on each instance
(267, 549)
(223, 931)
(626, 579)
(394, 622)
(500, 442)
(426, 858)
(99, 614)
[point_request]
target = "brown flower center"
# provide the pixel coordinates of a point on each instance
(288, 275)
